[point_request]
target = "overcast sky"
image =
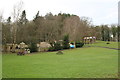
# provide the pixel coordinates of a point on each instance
(101, 11)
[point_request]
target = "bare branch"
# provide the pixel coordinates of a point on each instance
(17, 10)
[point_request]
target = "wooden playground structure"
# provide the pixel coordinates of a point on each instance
(89, 40)
(15, 48)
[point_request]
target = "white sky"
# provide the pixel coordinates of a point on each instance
(101, 11)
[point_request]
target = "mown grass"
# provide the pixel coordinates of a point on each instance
(88, 62)
(0, 65)
(104, 44)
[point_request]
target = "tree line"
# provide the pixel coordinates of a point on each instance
(51, 28)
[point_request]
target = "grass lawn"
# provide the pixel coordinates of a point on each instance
(89, 62)
(103, 44)
(0, 65)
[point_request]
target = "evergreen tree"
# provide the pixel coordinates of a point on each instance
(33, 47)
(66, 42)
(9, 20)
(102, 33)
(23, 19)
(36, 16)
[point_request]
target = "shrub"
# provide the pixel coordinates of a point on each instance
(51, 49)
(107, 43)
(79, 44)
(57, 46)
(33, 47)
(59, 52)
(66, 42)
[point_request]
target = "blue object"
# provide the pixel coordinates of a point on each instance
(72, 46)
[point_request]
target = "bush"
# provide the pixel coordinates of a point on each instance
(51, 49)
(107, 43)
(57, 46)
(79, 44)
(33, 47)
(66, 42)
(59, 52)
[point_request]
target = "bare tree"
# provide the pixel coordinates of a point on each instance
(1, 17)
(0, 46)
(16, 15)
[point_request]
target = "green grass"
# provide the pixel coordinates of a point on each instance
(88, 62)
(0, 65)
(103, 44)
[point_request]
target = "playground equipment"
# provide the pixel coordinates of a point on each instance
(43, 46)
(89, 40)
(15, 48)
